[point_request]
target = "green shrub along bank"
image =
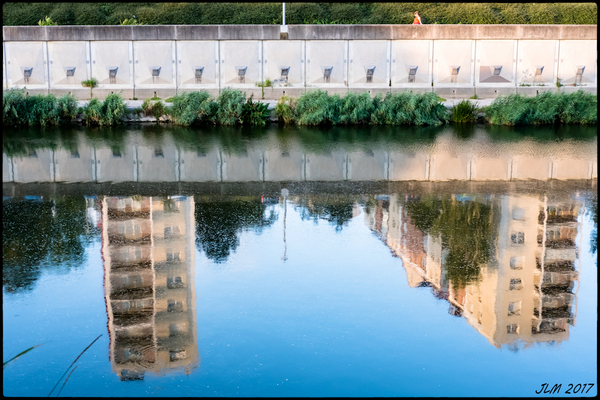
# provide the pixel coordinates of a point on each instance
(193, 108)
(545, 108)
(14, 14)
(230, 108)
(316, 107)
(45, 110)
(109, 112)
(312, 108)
(465, 111)
(18, 109)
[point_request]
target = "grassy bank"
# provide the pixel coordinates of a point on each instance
(544, 109)
(14, 14)
(312, 108)
(18, 109)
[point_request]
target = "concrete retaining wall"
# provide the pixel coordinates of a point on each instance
(455, 61)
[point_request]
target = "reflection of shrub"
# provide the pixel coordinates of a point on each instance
(41, 235)
(218, 224)
(465, 229)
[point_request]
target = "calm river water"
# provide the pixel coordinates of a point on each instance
(300, 262)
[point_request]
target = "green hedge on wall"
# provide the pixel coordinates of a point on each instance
(300, 13)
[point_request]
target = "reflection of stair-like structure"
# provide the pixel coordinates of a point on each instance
(527, 298)
(148, 259)
(555, 275)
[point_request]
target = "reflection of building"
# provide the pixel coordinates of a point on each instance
(148, 251)
(421, 254)
(524, 294)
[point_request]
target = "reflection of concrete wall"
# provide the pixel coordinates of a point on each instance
(38, 167)
(449, 158)
(573, 169)
(408, 166)
(74, 166)
(158, 163)
(4, 72)
(200, 166)
(328, 167)
(246, 166)
(284, 166)
(491, 168)
(115, 167)
(412, 53)
(367, 166)
(448, 166)
(531, 167)
(7, 169)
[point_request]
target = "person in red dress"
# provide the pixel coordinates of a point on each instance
(417, 20)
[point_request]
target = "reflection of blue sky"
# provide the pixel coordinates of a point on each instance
(336, 319)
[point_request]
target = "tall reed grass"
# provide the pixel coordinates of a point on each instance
(464, 111)
(316, 107)
(107, 113)
(44, 110)
(284, 109)
(193, 108)
(545, 108)
(409, 108)
(230, 108)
